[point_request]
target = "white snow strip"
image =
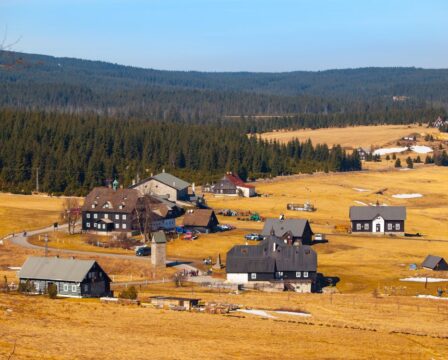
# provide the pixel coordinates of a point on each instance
(420, 149)
(360, 189)
(407, 196)
(258, 313)
(385, 151)
(431, 297)
(374, 204)
(424, 279)
(360, 203)
(293, 313)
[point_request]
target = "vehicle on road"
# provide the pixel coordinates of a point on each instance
(143, 251)
(253, 236)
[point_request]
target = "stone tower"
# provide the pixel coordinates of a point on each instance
(158, 249)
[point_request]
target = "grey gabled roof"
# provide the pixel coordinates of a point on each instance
(53, 268)
(279, 227)
(431, 261)
(262, 258)
(171, 180)
(371, 212)
(159, 237)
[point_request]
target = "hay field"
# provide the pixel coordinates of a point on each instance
(19, 212)
(364, 136)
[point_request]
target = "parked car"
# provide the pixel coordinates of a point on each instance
(319, 237)
(143, 251)
(253, 236)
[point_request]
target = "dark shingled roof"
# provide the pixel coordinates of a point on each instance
(371, 212)
(279, 227)
(198, 217)
(433, 262)
(107, 199)
(262, 258)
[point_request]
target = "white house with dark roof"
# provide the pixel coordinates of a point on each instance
(164, 184)
(378, 219)
(72, 277)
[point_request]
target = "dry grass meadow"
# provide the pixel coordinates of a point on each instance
(371, 315)
(364, 136)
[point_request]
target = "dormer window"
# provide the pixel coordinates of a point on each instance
(93, 206)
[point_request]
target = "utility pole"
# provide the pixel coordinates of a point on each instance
(37, 179)
(46, 245)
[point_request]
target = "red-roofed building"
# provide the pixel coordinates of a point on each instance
(232, 185)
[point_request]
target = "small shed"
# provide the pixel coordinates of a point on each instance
(173, 302)
(436, 263)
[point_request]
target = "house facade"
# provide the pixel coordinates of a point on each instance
(378, 219)
(72, 277)
(164, 184)
(273, 261)
(232, 185)
(202, 220)
(291, 231)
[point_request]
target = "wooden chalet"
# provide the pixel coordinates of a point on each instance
(202, 220)
(272, 261)
(231, 184)
(378, 219)
(291, 231)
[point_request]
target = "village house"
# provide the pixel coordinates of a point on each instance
(72, 277)
(273, 261)
(173, 302)
(164, 184)
(439, 122)
(232, 185)
(378, 219)
(363, 153)
(124, 210)
(436, 263)
(202, 220)
(291, 231)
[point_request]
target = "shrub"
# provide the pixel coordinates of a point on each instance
(129, 293)
(52, 291)
(398, 163)
(26, 287)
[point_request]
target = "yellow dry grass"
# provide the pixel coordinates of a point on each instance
(364, 136)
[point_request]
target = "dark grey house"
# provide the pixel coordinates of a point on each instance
(433, 262)
(273, 261)
(72, 277)
(292, 231)
(378, 219)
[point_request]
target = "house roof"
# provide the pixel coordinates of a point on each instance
(198, 217)
(264, 257)
(159, 237)
(171, 180)
(107, 199)
(53, 268)
(431, 261)
(236, 180)
(371, 212)
(280, 227)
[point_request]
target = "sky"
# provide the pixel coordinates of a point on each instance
(233, 35)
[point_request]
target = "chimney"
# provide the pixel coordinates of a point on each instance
(163, 170)
(193, 187)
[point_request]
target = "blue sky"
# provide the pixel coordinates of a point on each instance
(234, 35)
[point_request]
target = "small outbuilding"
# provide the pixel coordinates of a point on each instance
(72, 277)
(174, 302)
(202, 220)
(436, 263)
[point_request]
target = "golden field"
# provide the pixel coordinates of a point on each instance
(350, 137)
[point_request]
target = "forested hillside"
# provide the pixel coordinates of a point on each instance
(345, 96)
(74, 152)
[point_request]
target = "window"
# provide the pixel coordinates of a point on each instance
(117, 226)
(106, 216)
(95, 216)
(358, 226)
(123, 226)
(65, 287)
(94, 225)
(117, 217)
(253, 276)
(389, 226)
(36, 285)
(86, 288)
(305, 274)
(88, 215)
(74, 288)
(397, 226)
(298, 274)
(366, 226)
(88, 224)
(123, 216)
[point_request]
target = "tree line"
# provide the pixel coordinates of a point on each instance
(71, 153)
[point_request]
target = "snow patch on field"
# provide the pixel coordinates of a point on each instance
(385, 151)
(420, 149)
(424, 279)
(360, 189)
(258, 313)
(360, 203)
(293, 313)
(407, 196)
(431, 297)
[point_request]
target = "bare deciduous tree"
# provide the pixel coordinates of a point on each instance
(71, 213)
(144, 215)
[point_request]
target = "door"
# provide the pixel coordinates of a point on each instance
(378, 227)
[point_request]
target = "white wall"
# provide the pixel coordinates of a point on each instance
(378, 220)
(247, 192)
(238, 278)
